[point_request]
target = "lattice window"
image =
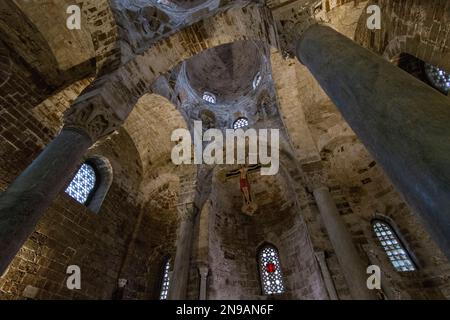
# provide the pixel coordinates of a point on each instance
(438, 77)
(209, 97)
(83, 184)
(240, 123)
(394, 249)
(270, 270)
(165, 281)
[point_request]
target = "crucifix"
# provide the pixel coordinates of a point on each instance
(249, 205)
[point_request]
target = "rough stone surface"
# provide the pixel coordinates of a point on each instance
(147, 62)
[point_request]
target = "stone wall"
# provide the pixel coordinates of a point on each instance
(234, 240)
(363, 192)
(70, 234)
(419, 28)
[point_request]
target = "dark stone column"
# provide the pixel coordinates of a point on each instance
(404, 123)
(89, 119)
(180, 275)
(27, 198)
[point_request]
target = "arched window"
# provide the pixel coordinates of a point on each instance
(209, 97)
(257, 80)
(438, 77)
(240, 123)
(165, 281)
(270, 270)
(83, 185)
(393, 247)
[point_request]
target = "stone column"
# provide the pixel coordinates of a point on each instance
(403, 122)
(27, 198)
(352, 266)
(180, 277)
(320, 256)
(204, 271)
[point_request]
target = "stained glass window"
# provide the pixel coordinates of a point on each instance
(83, 184)
(165, 281)
(438, 77)
(394, 249)
(270, 269)
(257, 80)
(240, 123)
(209, 97)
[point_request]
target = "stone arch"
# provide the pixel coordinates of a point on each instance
(124, 158)
(47, 59)
(150, 125)
(43, 59)
(161, 187)
(69, 47)
(285, 214)
(50, 112)
(410, 28)
(35, 51)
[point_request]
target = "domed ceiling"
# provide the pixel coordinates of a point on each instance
(226, 71)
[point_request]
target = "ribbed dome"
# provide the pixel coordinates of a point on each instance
(226, 71)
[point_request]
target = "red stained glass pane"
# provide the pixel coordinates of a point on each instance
(271, 267)
(271, 275)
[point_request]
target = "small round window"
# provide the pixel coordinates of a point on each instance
(209, 97)
(240, 123)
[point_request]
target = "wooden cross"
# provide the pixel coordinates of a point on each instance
(236, 173)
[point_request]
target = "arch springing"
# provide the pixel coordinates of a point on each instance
(393, 247)
(270, 271)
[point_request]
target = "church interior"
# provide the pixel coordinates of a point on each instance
(88, 183)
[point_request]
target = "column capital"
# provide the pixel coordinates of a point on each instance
(186, 211)
(316, 180)
(93, 116)
(203, 270)
(292, 22)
